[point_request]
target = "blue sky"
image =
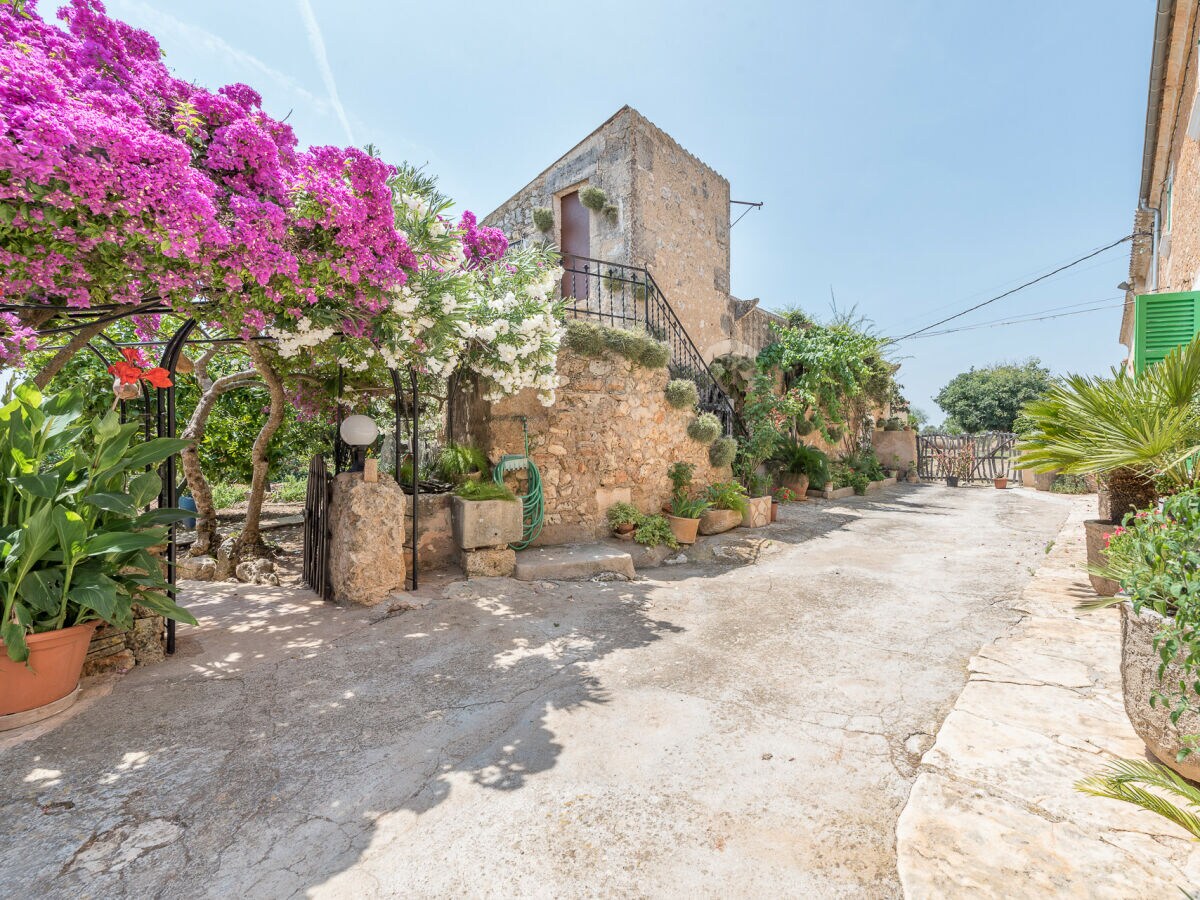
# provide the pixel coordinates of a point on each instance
(916, 157)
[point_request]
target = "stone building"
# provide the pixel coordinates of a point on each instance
(663, 210)
(1166, 247)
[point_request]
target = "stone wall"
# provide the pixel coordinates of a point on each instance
(436, 548)
(890, 445)
(115, 650)
(609, 436)
(680, 230)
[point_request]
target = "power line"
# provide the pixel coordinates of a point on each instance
(1023, 321)
(1035, 313)
(1009, 293)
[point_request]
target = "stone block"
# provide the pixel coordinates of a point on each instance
(758, 513)
(196, 568)
(146, 640)
(486, 523)
(489, 562)
(572, 563)
(366, 547)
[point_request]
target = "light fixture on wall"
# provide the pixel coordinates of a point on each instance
(1124, 286)
(360, 433)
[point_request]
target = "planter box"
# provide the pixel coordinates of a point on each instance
(1097, 531)
(1139, 680)
(798, 484)
(716, 521)
(758, 514)
(486, 523)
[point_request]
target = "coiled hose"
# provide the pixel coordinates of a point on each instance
(533, 508)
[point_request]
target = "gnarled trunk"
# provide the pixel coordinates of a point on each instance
(76, 343)
(251, 538)
(1128, 491)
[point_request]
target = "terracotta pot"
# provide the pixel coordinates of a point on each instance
(1139, 681)
(716, 521)
(52, 672)
(775, 510)
(1000, 483)
(684, 529)
(797, 483)
(623, 535)
(1044, 481)
(1097, 531)
(913, 478)
(627, 528)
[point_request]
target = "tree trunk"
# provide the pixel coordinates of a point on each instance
(1129, 491)
(251, 538)
(206, 511)
(77, 342)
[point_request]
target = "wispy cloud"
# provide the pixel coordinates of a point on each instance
(317, 41)
(163, 24)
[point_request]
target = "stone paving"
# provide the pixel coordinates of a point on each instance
(746, 723)
(993, 812)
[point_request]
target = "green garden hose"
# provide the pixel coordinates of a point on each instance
(532, 506)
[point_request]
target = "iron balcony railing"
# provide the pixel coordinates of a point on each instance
(626, 296)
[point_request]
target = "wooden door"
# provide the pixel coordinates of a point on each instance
(576, 245)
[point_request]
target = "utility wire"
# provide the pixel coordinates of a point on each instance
(1009, 293)
(1022, 321)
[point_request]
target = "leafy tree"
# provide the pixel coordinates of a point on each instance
(990, 398)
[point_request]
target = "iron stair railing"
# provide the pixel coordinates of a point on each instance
(627, 296)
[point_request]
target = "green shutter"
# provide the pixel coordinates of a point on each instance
(1162, 323)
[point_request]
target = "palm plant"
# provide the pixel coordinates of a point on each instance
(456, 461)
(803, 459)
(1128, 780)
(1141, 435)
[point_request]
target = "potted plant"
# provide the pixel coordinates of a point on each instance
(801, 465)
(1000, 482)
(460, 462)
(1136, 434)
(486, 514)
(79, 536)
(758, 504)
(623, 519)
(1155, 560)
(727, 505)
(684, 517)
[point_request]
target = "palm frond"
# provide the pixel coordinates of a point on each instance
(1124, 780)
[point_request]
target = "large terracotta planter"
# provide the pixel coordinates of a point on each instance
(716, 521)
(1044, 481)
(52, 672)
(796, 483)
(1139, 680)
(683, 529)
(1097, 531)
(758, 512)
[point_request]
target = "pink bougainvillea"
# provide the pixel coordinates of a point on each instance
(121, 183)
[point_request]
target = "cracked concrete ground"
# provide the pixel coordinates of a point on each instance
(708, 731)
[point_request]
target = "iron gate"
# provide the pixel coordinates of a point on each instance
(316, 528)
(991, 453)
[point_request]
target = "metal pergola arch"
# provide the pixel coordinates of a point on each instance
(162, 416)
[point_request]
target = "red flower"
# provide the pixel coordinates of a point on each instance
(158, 377)
(126, 373)
(132, 370)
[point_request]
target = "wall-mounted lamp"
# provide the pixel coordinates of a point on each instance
(360, 433)
(1124, 286)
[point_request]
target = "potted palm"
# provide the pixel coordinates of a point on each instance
(801, 465)
(461, 462)
(1138, 435)
(80, 536)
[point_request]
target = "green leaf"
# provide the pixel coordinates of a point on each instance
(42, 590)
(153, 452)
(28, 394)
(13, 636)
(43, 486)
(164, 516)
(164, 606)
(72, 533)
(108, 427)
(98, 593)
(120, 542)
(110, 502)
(144, 488)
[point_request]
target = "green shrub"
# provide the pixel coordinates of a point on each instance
(227, 495)
(655, 531)
(1070, 484)
(680, 474)
(484, 490)
(705, 428)
(593, 198)
(682, 393)
(722, 451)
(803, 459)
(456, 460)
(859, 482)
(591, 339)
(290, 490)
(543, 218)
(624, 514)
(612, 212)
(684, 507)
(727, 495)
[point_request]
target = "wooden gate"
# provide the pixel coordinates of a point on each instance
(316, 528)
(991, 454)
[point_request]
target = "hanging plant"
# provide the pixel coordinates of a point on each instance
(682, 393)
(611, 212)
(705, 428)
(543, 219)
(593, 198)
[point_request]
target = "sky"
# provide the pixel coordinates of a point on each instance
(913, 158)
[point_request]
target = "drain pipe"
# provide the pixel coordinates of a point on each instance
(1158, 64)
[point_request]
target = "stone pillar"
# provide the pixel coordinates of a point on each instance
(483, 529)
(366, 546)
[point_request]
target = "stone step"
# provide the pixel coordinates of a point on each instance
(577, 562)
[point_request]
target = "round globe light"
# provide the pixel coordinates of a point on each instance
(359, 431)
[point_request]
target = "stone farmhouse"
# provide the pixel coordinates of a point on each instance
(1162, 308)
(665, 212)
